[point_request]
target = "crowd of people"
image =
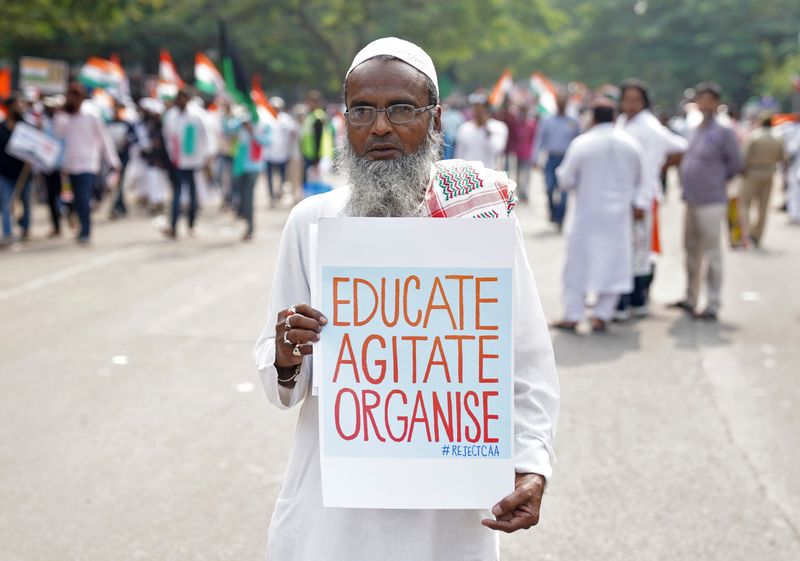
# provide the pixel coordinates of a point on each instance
(190, 153)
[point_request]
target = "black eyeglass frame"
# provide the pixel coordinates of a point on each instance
(375, 111)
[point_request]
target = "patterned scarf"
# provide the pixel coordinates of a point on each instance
(461, 189)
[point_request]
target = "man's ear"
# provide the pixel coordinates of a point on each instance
(437, 118)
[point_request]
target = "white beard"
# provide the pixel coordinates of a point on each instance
(389, 188)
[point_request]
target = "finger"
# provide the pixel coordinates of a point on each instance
(308, 311)
(509, 526)
(302, 336)
(520, 496)
(298, 321)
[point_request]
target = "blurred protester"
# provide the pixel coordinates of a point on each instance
(762, 153)
(605, 169)
(452, 119)
(155, 177)
(316, 136)
(522, 135)
(554, 137)
(657, 143)
(283, 138)
(712, 159)
(247, 163)
(482, 138)
(188, 147)
(14, 173)
(792, 144)
(52, 180)
(124, 135)
(86, 143)
(227, 148)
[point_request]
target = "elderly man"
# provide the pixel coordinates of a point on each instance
(394, 141)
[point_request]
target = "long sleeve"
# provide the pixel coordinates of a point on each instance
(536, 389)
(642, 196)
(567, 172)
(106, 144)
(498, 137)
(539, 142)
(673, 143)
(290, 286)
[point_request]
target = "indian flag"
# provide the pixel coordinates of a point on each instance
(101, 73)
(546, 92)
(266, 111)
(206, 76)
(501, 89)
(166, 70)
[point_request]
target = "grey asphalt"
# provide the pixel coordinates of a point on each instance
(133, 425)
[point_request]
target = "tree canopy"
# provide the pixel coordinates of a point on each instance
(749, 46)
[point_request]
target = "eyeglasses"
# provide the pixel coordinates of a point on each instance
(400, 114)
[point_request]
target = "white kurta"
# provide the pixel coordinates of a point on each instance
(301, 529)
(482, 144)
(657, 142)
(604, 168)
(792, 145)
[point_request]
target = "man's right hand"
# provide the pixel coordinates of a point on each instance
(304, 327)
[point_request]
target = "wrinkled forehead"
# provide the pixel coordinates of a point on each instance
(386, 79)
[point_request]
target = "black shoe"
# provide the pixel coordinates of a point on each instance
(682, 305)
(706, 315)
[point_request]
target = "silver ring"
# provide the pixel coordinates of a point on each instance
(296, 350)
(286, 324)
(286, 338)
(292, 310)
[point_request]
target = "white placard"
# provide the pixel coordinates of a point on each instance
(414, 370)
(33, 146)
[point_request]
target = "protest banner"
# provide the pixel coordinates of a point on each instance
(46, 75)
(29, 144)
(414, 370)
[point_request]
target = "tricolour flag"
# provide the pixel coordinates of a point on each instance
(101, 73)
(169, 82)
(546, 92)
(501, 89)
(206, 76)
(5, 82)
(266, 110)
(235, 78)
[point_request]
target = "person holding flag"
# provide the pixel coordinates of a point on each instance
(188, 147)
(251, 138)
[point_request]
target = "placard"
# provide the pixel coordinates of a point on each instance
(33, 146)
(48, 76)
(414, 370)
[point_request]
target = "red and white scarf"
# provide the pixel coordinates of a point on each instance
(461, 189)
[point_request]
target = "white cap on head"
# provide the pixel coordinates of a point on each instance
(399, 48)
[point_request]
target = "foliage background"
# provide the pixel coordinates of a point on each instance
(749, 46)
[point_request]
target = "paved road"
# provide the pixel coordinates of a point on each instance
(132, 425)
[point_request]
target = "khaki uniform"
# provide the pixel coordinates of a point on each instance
(762, 153)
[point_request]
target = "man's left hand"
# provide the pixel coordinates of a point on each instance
(519, 510)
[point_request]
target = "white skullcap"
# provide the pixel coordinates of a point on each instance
(398, 48)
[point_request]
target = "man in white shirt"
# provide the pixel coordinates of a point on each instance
(604, 169)
(86, 142)
(189, 150)
(284, 137)
(481, 139)
(657, 143)
(394, 139)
